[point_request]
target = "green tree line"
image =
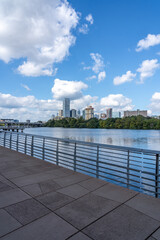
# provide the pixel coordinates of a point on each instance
(138, 122)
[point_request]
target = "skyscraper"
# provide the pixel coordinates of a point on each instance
(89, 112)
(66, 107)
(73, 113)
(109, 113)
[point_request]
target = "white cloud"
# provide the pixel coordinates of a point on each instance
(89, 18)
(155, 103)
(98, 64)
(128, 77)
(26, 87)
(101, 76)
(150, 41)
(147, 69)
(91, 77)
(71, 89)
(116, 101)
(84, 28)
(83, 102)
(38, 31)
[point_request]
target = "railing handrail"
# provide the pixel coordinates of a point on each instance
(91, 143)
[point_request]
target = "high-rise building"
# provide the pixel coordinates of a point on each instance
(109, 113)
(135, 113)
(60, 114)
(66, 107)
(89, 112)
(116, 114)
(83, 114)
(103, 116)
(73, 113)
(78, 113)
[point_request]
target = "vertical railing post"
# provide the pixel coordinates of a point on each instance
(128, 168)
(156, 175)
(4, 140)
(57, 152)
(25, 144)
(10, 141)
(75, 148)
(32, 142)
(43, 150)
(17, 142)
(97, 163)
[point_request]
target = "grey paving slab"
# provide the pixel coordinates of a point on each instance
(79, 236)
(146, 204)
(6, 181)
(86, 209)
(27, 211)
(41, 188)
(49, 227)
(34, 178)
(7, 223)
(151, 238)
(114, 192)
(4, 187)
(54, 200)
(74, 191)
(92, 183)
(12, 196)
(123, 223)
(156, 235)
(72, 179)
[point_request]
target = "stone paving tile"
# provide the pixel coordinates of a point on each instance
(92, 183)
(124, 223)
(156, 235)
(114, 192)
(9, 183)
(41, 188)
(86, 209)
(54, 200)
(27, 211)
(34, 178)
(151, 238)
(4, 187)
(49, 227)
(146, 204)
(74, 191)
(12, 196)
(72, 179)
(79, 236)
(7, 223)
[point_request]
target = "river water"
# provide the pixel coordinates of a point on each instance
(146, 139)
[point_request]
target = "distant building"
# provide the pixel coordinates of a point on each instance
(109, 113)
(73, 113)
(66, 107)
(103, 116)
(96, 116)
(135, 113)
(28, 121)
(83, 114)
(116, 114)
(60, 113)
(78, 113)
(89, 112)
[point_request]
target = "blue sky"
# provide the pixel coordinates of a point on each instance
(105, 53)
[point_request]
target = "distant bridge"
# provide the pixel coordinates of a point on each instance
(19, 126)
(12, 128)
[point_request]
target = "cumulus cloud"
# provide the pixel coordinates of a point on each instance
(89, 18)
(155, 103)
(101, 76)
(38, 31)
(26, 87)
(91, 77)
(150, 41)
(116, 101)
(128, 77)
(98, 64)
(84, 28)
(71, 89)
(147, 69)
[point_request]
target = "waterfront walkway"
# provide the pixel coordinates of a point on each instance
(41, 201)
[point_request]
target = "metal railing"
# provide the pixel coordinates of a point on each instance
(134, 168)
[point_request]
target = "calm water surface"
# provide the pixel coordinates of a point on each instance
(146, 139)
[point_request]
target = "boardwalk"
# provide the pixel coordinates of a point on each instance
(41, 201)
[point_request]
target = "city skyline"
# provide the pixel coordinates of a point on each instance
(105, 54)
